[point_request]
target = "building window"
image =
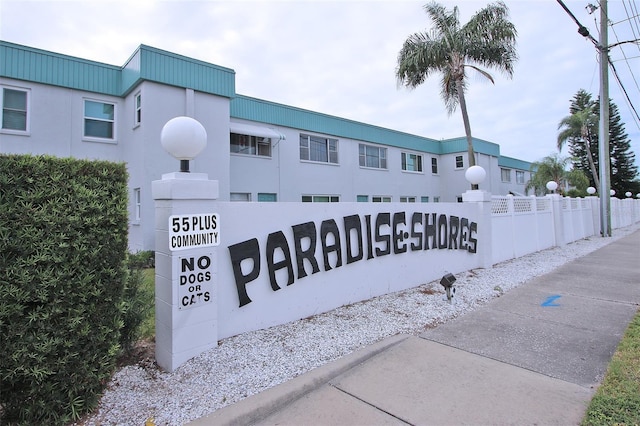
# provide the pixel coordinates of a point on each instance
(267, 197)
(250, 145)
(381, 199)
(320, 198)
(99, 119)
(322, 150)
(373, 156)
(240, 196)
(137, 118)
(424, 199)
(459, 161)
(434, 165)
(14, 110)
(505, 174)
(362, 198)
(436, 199)
(137, 204)
(407, 199)
(411, 162)
(520, 177)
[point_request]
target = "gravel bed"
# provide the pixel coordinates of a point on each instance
(253, 362)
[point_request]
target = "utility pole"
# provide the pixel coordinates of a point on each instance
(603, 137)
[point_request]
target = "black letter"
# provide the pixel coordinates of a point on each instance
(464, 225)
(442, 231)
(416, 218)
(277, 240)
(187, 264)
(454, 228)
(330, 227)
(430, 231)
(383, 219)
(305, 230)
(367, 219)
(473, 230)
(398, 218)
(246, 250)
(353, 223)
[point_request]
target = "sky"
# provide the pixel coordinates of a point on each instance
(339, 57)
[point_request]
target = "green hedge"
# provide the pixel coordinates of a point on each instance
(63, 248)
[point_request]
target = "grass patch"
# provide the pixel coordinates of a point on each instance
(617, 400)
(148, 326)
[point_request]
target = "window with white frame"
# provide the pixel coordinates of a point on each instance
(372, 156)
(381, 199)
(436, 199)
(137, 117)
(407, 199)
(505, 174)
(362, 198)
(459, 161)
(250, 145)
(434, 165)
(99, 119)
(137, 204)
(320, 198)
(520, 177)
(411, 162)
(424, 199)
(318, 149)
(240, 196)
(15, 114)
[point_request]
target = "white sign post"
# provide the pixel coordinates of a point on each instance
(187, 236)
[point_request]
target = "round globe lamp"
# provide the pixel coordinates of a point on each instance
(591, 190)
(475, 175)
(612, 192)
(184, 138)
(552, 185)
(628, 194)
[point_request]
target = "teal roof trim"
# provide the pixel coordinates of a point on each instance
(147, 63)
(40, 66)
(513, 163)
(451, 146)
(177, 70)
(259, 110)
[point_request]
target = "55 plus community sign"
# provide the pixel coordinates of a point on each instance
(194, 231)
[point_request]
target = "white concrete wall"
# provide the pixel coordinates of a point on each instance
(334, 285)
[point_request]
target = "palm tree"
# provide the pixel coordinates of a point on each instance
(488, 40)
(554, 168)
(581, 125)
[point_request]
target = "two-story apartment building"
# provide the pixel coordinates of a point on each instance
(258, 150)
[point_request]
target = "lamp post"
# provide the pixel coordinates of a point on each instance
(475, 175)
(184, 138)
(187, 233)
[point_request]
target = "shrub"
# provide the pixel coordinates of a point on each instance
(63, 245)
(138, 298)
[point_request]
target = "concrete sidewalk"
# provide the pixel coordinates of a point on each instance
(532, 356)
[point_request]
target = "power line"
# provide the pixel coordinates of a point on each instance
(615, 73)
(582, 30)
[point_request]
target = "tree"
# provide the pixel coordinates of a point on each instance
(623, 171)
(487, 40)
(581, 126)
(554, 168)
